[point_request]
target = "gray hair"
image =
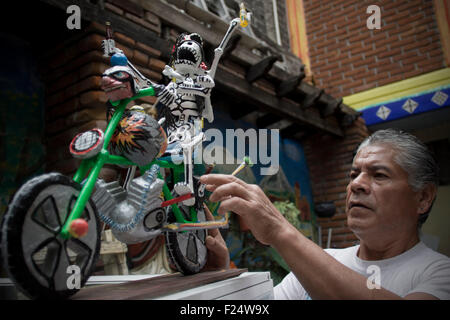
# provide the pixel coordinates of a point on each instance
(412, 155)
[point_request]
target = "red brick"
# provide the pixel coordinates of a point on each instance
(113, 8)
(63, 109)
(436, 61)
(152, 75)
(93, 97)
(93, 42)
(95, 68)
(90, 83)
(388, 80)
(352, 84)
(401, 70)
(389, 53)
(147, 49)
(364, 62)
(143, 23)
(120, 38)
(129, 6)
(413, 59)
(330, 224)
(356, 51)
(153, 19)
(435, 52)
(140, 58)
(413, 73)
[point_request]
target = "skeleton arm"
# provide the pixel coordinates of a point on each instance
(170, 73)
(219, 50)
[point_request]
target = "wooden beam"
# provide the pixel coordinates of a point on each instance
(344, 117)
(267, 119)
(311, 98)
(282, 124)
(264, 100)
(261, 68)
(327, 105)
(187, 16)
(289, 85)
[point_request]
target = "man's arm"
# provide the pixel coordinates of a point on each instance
(321, 275)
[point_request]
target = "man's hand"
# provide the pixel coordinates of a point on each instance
(218, 255)
(248, 201)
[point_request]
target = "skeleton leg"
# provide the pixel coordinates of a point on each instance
(187, 186)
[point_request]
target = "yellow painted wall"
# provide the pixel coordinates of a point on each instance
(438, 223)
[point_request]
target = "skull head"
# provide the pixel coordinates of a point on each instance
(188, 53)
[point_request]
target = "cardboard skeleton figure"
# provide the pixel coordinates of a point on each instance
(187, 99)
(183, 104)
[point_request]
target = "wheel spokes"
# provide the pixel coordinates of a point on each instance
(47, 255)
(34, 236)
(79, 253)
(61, 273)
(191, 249)
(43, 259)
(46, 214)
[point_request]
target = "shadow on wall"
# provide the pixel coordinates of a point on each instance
(438, 224)
(22, 153)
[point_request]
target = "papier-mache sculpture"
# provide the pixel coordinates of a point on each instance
(50, 237)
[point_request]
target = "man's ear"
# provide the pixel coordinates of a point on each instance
(426, 198)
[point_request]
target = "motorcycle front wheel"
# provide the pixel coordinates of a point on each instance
(40, 262)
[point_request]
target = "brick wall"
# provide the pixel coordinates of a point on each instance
(347, 58)
(329, 160)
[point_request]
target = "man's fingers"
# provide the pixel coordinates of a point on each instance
(210, 217)
(219, 179)
(211, 187)
(235, 204)
(210, 242)
(224, 191)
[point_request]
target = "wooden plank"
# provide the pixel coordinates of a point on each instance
(289, 85)
(154, 287)
(113, 247)
(259, 69)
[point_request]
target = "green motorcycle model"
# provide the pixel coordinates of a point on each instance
(50, 233)
(52, 226)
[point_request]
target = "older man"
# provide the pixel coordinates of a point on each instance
(392, 187)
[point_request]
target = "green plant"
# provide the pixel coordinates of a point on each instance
(289, 211)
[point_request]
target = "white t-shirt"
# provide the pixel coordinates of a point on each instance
(419, 269)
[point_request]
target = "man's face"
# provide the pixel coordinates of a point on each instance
(380, 204)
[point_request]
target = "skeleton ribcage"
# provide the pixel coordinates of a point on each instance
(184, 110)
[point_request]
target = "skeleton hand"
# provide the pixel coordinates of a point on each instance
(205, 81)
(158, 88)
(167, 95)
(170, 73)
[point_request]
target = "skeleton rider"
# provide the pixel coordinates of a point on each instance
(184, 102)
